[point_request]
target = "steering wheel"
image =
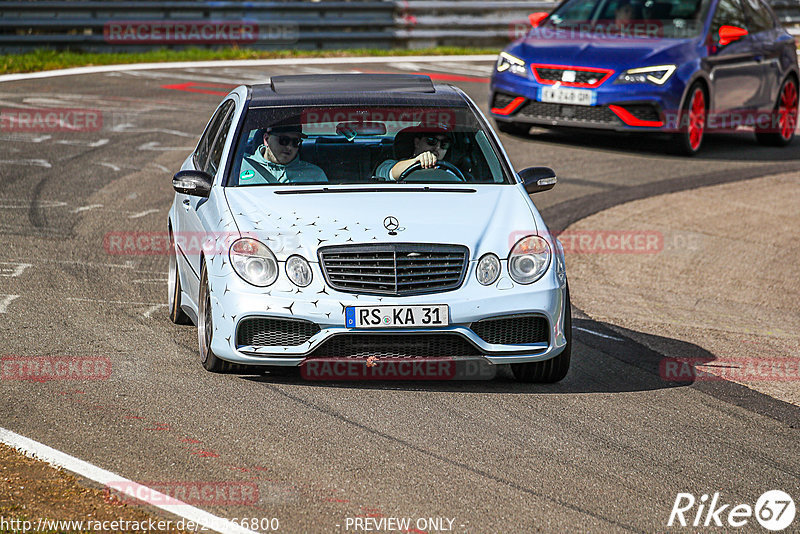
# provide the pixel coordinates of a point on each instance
(444, 165)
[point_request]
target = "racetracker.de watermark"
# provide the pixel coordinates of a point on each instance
(135, 32)
(633, 29)
(46, 368)
(196, 493)
(601, 241)
(216, 243)
(319, 120)
(41, 120)
(373, 368)
(745, 369)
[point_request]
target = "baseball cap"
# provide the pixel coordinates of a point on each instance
(287, 129)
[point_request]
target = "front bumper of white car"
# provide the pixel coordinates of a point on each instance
(313, 318)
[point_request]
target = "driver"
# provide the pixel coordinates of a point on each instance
(278, 161)
(429, 146)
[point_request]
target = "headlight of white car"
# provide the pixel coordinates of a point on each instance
(488, 269)
(254, 262)
(513, 64)
(298, 270)
(529, 259)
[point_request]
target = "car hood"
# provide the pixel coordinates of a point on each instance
(296, 220)
(615, 53)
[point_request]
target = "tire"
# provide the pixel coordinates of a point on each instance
(785, 110)
(693, 121)
(205, 329)
(176, 314)
(513, 128)
(554, 369)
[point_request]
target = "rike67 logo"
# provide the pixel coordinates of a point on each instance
(774, 510)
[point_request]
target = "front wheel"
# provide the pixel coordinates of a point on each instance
(784, 119)
(176, 314)
(205, 328)
(692, 122)
(554, 369)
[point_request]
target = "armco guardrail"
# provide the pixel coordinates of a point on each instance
(464, 22)
(136, 25)
(788, 12)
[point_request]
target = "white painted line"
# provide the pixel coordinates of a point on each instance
(129, 128)
(109, 165)
(37, 450)
(113, 301)
(87, 208)
(12, 270)
(151, 281)
(21, 203)
(38, 162)
(6, 301)
(597, 333)
(25, 138)
(90, 144)
(142, 214)
(153, 309)
(238, 63)
(155, 145)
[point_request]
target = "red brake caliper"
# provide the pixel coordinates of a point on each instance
(697, 119)
(788, 110)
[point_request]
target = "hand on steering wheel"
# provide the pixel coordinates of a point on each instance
(444, 165)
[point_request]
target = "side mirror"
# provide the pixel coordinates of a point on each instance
(538, 179)
(191, 182)
(536, 18)
(729, 34)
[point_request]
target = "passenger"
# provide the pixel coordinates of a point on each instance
(429, 146)
(623, 14)
(278, 161)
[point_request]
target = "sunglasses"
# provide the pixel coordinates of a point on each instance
(444, 144)
(285, 140)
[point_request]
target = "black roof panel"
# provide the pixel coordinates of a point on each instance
(353, 89)
(348, 83)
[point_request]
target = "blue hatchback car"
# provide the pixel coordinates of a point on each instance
(684, 67)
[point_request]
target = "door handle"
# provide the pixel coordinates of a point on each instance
(186, 204)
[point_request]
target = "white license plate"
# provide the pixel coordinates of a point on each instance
(396, 316)
(559, 95)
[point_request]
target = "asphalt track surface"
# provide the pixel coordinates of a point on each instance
(607, 449)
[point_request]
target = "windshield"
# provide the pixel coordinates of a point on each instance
(629, 18)
(363, 145)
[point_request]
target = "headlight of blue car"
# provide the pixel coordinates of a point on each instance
(657, 75)
(512, 64)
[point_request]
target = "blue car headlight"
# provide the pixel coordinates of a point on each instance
(512, 64)
(657, 75)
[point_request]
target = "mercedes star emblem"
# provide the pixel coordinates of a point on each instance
(392, 224)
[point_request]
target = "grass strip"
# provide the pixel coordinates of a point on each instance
(46, 59)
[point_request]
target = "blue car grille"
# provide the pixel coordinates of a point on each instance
(589, 114)
(513, 330)
(588, 78)
(394, 269)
